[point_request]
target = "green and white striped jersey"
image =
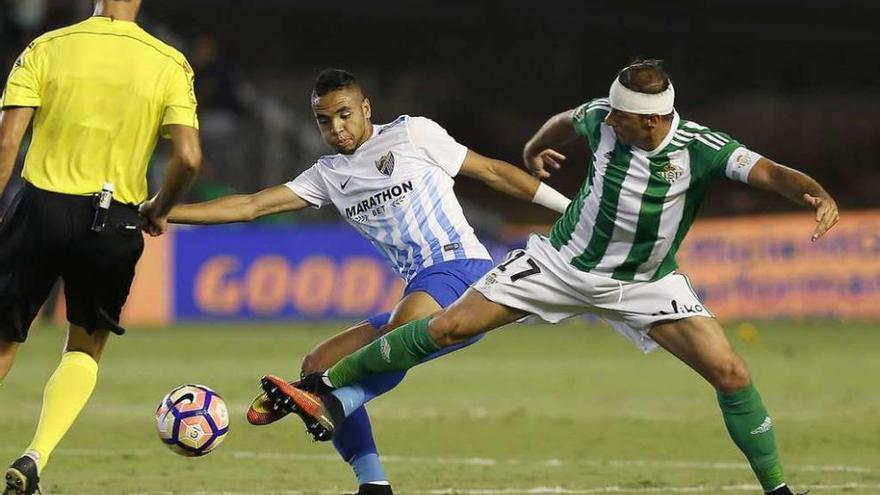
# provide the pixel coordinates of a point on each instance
(635, 207)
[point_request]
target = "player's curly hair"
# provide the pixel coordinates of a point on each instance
(645, 76)
(333, 79)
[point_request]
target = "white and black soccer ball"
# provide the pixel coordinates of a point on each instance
(192, 420)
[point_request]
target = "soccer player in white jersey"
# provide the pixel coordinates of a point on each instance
(394, 184)
(611, 254)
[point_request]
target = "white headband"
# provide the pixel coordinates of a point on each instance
(627, 100)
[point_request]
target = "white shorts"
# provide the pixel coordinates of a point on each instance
(539, 281)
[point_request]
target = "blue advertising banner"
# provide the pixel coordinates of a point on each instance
(248, 272)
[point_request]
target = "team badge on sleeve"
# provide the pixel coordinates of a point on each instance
(385, 164)
(580, 112)
(740, 164)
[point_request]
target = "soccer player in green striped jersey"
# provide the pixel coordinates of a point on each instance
(611, 254)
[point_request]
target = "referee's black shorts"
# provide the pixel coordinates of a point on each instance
(46, 235)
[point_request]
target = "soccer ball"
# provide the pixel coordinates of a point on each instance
(192, 420)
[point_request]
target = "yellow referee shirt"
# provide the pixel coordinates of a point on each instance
(103, 89)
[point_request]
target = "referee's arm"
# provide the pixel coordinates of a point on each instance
(184, 166)
(14, 122)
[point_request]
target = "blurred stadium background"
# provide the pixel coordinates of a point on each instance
(795, 80)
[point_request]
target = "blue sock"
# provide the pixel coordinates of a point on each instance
(354, 442)
(354, 396)
(354, 438)
(368, 469)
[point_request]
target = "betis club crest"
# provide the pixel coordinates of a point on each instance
(385, 164)
(669, 173)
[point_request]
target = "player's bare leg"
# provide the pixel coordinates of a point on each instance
(66, 393)
(8, 350)
(700, 343)
(470, 315)
(79, 340)
(399, 350)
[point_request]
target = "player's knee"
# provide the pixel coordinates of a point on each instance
(731, 375)
(312, 362)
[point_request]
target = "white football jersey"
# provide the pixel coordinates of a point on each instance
(396, 190)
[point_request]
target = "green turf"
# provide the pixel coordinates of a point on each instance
(572, 406)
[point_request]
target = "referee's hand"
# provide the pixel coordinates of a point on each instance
(156, 225)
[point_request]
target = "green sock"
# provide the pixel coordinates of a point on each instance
(399, 350)
(752, 431)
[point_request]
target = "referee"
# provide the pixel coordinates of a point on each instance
(100, 93)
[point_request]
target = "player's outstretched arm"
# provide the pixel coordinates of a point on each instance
(239, 207)
(513, 181)
(538, 153)
(14, 122)
(184, 166)
(798, 187)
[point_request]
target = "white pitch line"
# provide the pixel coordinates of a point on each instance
(545, 490)
(484, 461)
(479, 461)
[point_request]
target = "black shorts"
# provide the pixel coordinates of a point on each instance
(47, 235)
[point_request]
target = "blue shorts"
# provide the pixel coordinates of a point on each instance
(445, 282)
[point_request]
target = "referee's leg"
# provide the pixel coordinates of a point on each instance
(78, 340)
(68, 390)
(7, 357)
(97, 271)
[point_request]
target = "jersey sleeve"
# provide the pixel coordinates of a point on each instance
(713, 152)
(180, 98)
(588, 118)
(436, 144)
(23, 88)
(311, 187)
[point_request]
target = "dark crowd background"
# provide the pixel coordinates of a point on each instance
(798, 81)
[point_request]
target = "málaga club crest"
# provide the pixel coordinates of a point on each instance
(385, 164)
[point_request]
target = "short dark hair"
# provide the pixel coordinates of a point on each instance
(333, 79)
(645, 76)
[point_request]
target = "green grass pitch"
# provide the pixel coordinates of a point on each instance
(572, 409)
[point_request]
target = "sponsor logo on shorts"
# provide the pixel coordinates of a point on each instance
(764, 428)
(385, 349)
(678, 309)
